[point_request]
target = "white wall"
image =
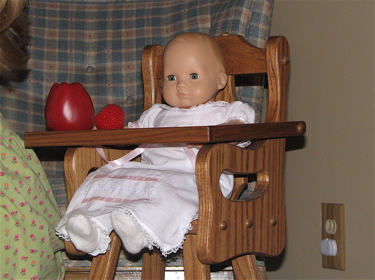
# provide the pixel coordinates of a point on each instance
(332, 89)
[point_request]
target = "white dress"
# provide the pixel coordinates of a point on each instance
(160, 192)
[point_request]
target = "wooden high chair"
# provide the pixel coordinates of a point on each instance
(235, 229)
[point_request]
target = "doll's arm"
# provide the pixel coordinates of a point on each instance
(236, 121)
(233, 121)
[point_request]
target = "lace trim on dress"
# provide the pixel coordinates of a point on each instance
(103, 244)
(152, 242)
(60, 230)
(104, 237)
(222, 103)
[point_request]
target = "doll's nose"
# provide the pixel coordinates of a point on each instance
(181, 85)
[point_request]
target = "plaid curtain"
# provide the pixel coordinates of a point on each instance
(99, 44)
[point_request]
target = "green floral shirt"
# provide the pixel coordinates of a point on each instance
(28, 214)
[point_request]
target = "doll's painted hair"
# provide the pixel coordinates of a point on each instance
(208, 41)
(14, 38)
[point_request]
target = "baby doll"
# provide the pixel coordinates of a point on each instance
(152, 202)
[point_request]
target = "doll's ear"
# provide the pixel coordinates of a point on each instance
(223, 79)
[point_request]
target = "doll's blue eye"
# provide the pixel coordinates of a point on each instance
(194, 76)
(171, 78)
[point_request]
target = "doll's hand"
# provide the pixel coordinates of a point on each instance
(227, 123)
(232, 122)
(194, 146)
(95, 128)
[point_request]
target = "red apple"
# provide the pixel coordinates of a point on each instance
(69, 107)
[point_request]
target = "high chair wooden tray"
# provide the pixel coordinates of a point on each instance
(195, 134)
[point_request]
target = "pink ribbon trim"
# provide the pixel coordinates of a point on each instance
(124, 159)
(136, 152)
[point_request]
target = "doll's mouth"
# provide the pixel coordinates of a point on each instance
(182, 94)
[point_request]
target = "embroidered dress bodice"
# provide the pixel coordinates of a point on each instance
(161, 115)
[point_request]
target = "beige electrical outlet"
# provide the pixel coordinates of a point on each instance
(334, 229)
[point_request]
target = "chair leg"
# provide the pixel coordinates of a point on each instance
(153, 266)
(193, 268)
(246, 267)
(104, 266)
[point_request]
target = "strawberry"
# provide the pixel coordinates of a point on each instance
(110, 117)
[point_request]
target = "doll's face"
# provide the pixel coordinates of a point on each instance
(191, 75)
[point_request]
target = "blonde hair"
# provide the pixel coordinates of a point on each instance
(14, 38)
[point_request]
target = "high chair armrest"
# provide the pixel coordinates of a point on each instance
(255, 224)
(135, 136)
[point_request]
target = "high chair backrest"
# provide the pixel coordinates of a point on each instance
(99, 44)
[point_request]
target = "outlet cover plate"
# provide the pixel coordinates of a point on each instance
(334, 211)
